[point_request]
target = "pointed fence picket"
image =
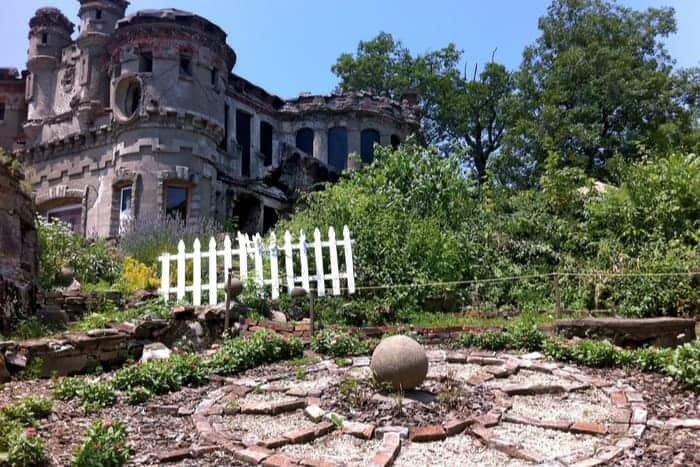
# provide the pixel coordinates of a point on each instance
(262, 254)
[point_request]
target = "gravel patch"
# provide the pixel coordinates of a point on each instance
(589, 406)
(459, 450)
(335, 447)
(255, 398)
(361, 372)
(458, 371)
(527, 377)
(550, 443)
(310, 383)
(251, 428)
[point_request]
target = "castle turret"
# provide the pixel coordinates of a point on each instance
(100, 16)
(98, 19)
(49, 33)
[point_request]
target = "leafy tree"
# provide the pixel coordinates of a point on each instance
(596, 83)
(466, 116)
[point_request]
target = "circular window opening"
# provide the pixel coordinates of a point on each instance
(132, 99)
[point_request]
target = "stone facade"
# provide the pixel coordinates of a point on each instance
(18, 249)
(142, 115)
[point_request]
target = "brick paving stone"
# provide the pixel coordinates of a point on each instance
(481, 432)
(300, 436)
(380, 431)
(618, 398)
(428, 433)
(690, 423)
(634, 396)
(515, 451)
(476, 380)
(258, 408)
(253, 455)
(279, 460)
(479, 360)
(621, 415)
(590, 462)
(297, 391)
(359, 430)
(489, 419)
(636, 430)
(323, 428)
(455, 426)
(389, 449)
(589, 428)
(173, 455)
(626, 443)
(314, 413)
(618, 428)
(317, 463)
(543, 367)
(639, 415)
(499, 371)
(273, 443)
(287, 406)
(456, 357)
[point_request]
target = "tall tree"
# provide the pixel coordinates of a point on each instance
(470, 114)
(597, 83)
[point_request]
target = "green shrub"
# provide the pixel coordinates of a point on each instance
(338, 343)
(66, 389)
(27, 410)
(25, 448)
(59, 246)
(597, 354)
(95, 396)
(556, 349)
(685, 364)
(138, 395)
(104, 445)
(525, 336)
(109, 313)
(242, 353)
(162, 376)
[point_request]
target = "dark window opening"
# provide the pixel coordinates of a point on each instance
(337, 148)
(243, 138)
(70, 214)
(214, 76)
(176, 202)
(266, 142)
(269, 218)
(395, 141)
(305, 140)
(44, 38)
(117, 70)
(133, 99)
(368, 139)
(146, 62)
(185, 66)
(2, 111)
(246, 213)
(224, 142)
(98, 14)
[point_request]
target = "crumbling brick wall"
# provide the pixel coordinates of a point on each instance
(18, 249)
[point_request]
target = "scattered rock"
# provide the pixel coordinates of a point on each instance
(52, 316)
(155, 351)
(400, 361)
(73, 290)
(17, 358)
(278, 316)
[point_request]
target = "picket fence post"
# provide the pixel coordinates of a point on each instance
(259, 249)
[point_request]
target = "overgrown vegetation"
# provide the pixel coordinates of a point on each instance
(242, 353)
(104, 445)
(338, 343)
(108, 313)
(20, 443)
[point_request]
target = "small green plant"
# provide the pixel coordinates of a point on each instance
(20, 443)
(343, 362)
(34, 370)
(651, 358)
(684, 364)
(337, 421)
(25, 448)
(233, 404)
(104, 445)
(242, 353)
(338, 343)
(138, 395)
(598, 354)
(95, 396)
(27, 410)
(352, 392)
(525, 336)
(302, 361)
(452, 391)
(65, 389)
(162, 376)
(300, 374)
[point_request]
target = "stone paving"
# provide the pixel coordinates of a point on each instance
(544, 413)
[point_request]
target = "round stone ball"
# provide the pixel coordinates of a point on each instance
(401, 361)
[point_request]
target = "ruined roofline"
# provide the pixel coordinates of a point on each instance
(50, 16)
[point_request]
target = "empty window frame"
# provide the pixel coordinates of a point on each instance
(266, 142)
(176, 199)
(337, 148)
(185, 66)
(2, 111)
(146, 62)
(368, 139)
(305, 140)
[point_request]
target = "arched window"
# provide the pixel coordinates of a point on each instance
(133, 99)
(395, 141)
(337, 148)
(369, 137)
(305, 140)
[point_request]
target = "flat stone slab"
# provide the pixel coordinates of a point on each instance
(660, 332)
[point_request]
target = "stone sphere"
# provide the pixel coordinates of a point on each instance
(401, 361)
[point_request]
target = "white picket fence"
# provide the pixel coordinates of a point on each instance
(220, 262)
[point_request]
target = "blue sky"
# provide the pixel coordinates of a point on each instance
(288, 46)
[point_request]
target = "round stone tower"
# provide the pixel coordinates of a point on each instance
(98, 19)
(49, 33)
